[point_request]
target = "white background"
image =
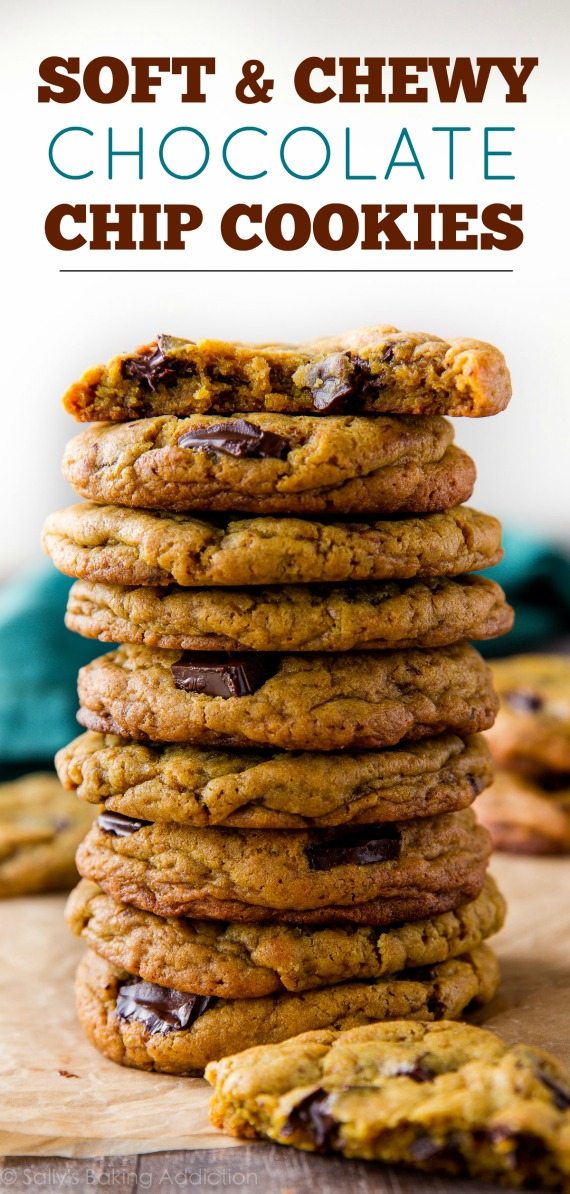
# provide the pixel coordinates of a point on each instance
(57, 324)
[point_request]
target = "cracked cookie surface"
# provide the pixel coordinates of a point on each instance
(237, 960)
(138, 547)
(122, 1029)
(307, 702)
(377, 370)
(374, 875)
(440, 1097)
(431, 612)
(41, 826)
(272, 464)
(246, 789)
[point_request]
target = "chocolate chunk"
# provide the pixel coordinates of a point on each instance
(342, 847)
(160, 1009)
(388, 354)
(418, 1071)
(119, 825)
(560, 1094)
(237, 437)
(426, 1148)
(331, 381)
(526, 1148)
(476, 783)
(553, 781)
(222, 675)
(524, 702)
(154, 368)
(418, 974)
(313, 1114)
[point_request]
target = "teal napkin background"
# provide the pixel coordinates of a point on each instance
(39, 658)
(536, 578)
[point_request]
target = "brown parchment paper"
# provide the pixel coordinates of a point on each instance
(58, 1097)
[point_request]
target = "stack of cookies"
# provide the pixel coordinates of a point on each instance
(527, 808)
(286, 744)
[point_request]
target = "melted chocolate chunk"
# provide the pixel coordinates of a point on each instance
(553, 781)
(526, 1149)
(154, 368)
(560, 1094)
(220, 675)
(237, 437)
(160, 1009)
(476, 783)
(524, 702)
(360, 848)
(119, 825)
(313, 1114)
(418, 974)
(444, 1153)
(331, 381)
(418, 1071)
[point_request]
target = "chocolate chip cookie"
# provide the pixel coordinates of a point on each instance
(380, 874)
(139, 547)
(255, 790)
(295, 702)
(528, 814)
(41, 827)
(444, 1097)
(155, 1028)
(532, 732)
(272, 464)
(376, 370)
(431, 612)
(235, 960)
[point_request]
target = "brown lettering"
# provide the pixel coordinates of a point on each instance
(503, 233)
(228, 227)
(376, 227)
(56, 71)
(404, 77)
(349, 231)
(303, 84)
(54, 218)
(451, 225)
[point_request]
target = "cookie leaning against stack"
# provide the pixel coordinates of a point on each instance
(286, 744)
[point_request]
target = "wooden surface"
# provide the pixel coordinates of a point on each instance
(532, 1005)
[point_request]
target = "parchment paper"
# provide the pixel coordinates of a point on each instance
(58, 1097)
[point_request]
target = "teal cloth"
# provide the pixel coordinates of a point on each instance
(39, 658)
(536, 578)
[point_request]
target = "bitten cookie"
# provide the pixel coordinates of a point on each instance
(444, 1097)
(295, 702)
(236, 960)
(272, 464)
(275, 791)
(532, 731)
(41, 827)
(137, 547)
(380, 874)
(155, 1028)
(527, 814)
(375, 370)
(418, 613)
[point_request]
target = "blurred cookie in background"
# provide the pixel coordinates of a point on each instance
(41, 826)
(527, 808)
